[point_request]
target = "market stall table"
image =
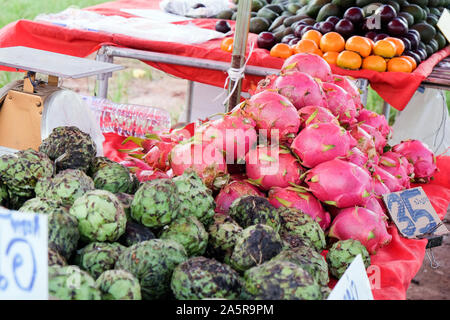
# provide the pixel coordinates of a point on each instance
(394, 266)
(77, 42)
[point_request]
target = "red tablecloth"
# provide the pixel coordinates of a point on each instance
(394, 266)
(395, 88)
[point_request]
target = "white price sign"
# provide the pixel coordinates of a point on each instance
(354, 283)
(23, 256)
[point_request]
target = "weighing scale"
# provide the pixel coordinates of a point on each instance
(30, 108)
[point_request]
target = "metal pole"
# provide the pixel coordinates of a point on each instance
(239, 47)
(183, 61)
(386, 110)
(189, 98)
(102, 79)
(363, 85)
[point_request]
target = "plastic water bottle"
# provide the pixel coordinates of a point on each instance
(128, 119)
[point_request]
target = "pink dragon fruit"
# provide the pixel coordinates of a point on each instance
(205, 159)
(357, 157)
(420, 155)
(388, 179)
(365, 142)
(350, 87)
(310, 64)
(340, 183)
(340, 103)
(148, 175)
(321, 142)
(264, 84)
(373, 204)
(274, 113)
(375, 120)
(272, 166)
(379, 188)
(398, 166)
(233, 134)
(379, 140)
(313, 114)
(363, 225)
(158, 156)
(135, 164)
(302, 200)
(301, 89)
(232, 191)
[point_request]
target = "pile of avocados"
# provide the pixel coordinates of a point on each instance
(278, 16)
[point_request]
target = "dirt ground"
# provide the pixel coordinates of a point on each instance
(140, 84)
(433, 283)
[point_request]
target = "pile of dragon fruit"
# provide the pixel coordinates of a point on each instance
(302, 140)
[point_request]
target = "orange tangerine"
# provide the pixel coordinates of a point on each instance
(349, 60)
(385, 49)
(305, 46)
(227, 44)
(318, 52)
(281, 50)
(360, 45)
(372, 43)
(375, 63)
(332, 41)
(399, 45)
(411, 59)
(399, 65)
(331, 57)
(313, 35)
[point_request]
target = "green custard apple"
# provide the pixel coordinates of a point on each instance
(189, 232)
(67, 186)
(342, 253)
(98, 257)
(195, 198)
(155, 203)
(298, 227)
(251, 210)
(71, 283)
(100, 216)
(203, 278)
(69, 148)
(119, 285)
(152, 262)
(255, 245)
(280, 280)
